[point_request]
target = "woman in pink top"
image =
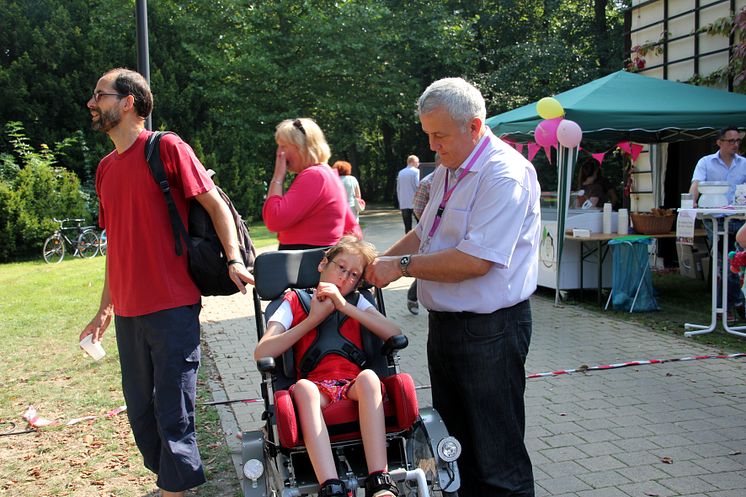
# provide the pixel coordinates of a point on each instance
(313, 212)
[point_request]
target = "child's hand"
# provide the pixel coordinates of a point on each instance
(330, 292)
(320, 307)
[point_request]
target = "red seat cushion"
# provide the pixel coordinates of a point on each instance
(399, 407)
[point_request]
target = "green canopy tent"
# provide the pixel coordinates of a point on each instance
(626, 107)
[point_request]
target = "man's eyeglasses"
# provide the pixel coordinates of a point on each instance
(97, 96)
(732, 141)
(299, 125)
(351, 275)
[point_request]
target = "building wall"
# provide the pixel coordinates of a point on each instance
(681, 59)
(685, 55)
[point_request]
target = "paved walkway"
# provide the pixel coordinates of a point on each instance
(674, 429)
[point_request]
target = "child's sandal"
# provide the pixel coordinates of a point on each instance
(333, 488)
(380, 484)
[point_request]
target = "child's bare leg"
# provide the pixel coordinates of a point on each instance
(366, 391)
(309, 401)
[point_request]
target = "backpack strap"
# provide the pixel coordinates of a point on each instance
(329, 339)
(153, 158)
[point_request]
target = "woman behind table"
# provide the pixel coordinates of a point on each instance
(596, 189)
(314, 211)
(352, 187)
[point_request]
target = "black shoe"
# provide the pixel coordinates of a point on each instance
(380, 484)
(741, 311)
(333, 488)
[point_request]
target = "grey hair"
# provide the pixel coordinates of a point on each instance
(460, 99)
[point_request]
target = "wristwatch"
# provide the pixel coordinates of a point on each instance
(404, 265)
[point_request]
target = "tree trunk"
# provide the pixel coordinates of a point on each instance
(600, 29)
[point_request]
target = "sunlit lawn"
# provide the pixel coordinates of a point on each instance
(43, 308)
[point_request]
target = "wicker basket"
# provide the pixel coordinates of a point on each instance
(648, 224)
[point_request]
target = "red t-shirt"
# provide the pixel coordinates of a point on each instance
(331, 366)
(314, 210)
(144, 273)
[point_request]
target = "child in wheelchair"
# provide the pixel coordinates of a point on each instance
(330, 375)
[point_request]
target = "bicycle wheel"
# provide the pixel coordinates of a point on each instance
(102, 243)
(88, 244)
(54, 249)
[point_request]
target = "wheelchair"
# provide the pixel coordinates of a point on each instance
(421, 454)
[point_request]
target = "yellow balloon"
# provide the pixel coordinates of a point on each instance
(549, 108)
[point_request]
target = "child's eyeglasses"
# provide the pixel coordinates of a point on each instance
(351, 275)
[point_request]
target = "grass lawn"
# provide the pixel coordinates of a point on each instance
(44, 308)
(682, 300)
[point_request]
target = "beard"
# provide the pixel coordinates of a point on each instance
(106, 120)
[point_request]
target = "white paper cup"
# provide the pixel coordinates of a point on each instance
(94, 350)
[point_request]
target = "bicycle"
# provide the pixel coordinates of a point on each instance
(86, 244)
(103, 243)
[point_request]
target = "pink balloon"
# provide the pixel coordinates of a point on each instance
(569, 133)
(546, 132)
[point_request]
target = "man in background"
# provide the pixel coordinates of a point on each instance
(421, 197)
(724, 165)
(406, 186)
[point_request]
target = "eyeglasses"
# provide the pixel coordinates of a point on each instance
(732, 141)
(299, 125)
(351, 275)
(97, 96)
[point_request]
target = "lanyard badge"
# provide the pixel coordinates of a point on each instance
(447, 192)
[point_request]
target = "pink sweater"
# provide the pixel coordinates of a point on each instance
(314, 210)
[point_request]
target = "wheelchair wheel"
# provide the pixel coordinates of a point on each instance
(88, 244)
(54, 249)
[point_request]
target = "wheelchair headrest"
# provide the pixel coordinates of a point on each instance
(274, 272)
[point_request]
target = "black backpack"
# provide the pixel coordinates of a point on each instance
(207, 262)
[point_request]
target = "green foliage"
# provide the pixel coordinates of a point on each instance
(224, 73)
(33, 191)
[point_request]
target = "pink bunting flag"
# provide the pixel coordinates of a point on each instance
(635, 152)
(533, 149)
(548, 151)
(625, 146)
(519, 147)
(599, 157)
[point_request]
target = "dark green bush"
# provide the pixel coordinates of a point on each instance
(32, 192)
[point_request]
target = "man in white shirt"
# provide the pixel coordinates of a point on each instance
(724, 165)
(475, 256)
(406, 186)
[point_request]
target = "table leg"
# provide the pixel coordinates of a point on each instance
(702, 329)
(600, 272)
(582, 261)
(733, 330)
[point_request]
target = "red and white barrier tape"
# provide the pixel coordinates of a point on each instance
(35, 421)
(583, 368)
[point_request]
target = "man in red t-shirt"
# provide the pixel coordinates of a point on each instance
(147, 287)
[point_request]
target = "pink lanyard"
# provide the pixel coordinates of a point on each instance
(448, 191)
